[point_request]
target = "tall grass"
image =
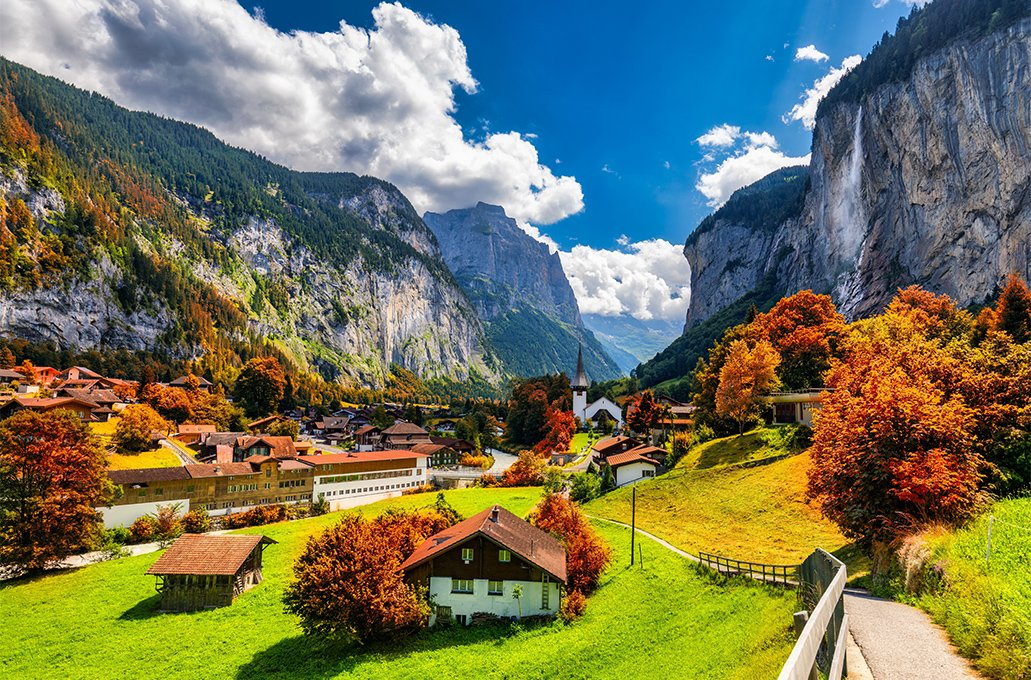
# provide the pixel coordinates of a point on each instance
(985, 604)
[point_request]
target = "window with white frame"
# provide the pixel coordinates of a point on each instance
(504, 556)
(461, 585)
(467, 554)
(495, 587)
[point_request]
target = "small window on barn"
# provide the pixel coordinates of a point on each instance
(143, 493)
(159, 492)
(495, 587)
(504, 556)
(467, 554)
(189, 489)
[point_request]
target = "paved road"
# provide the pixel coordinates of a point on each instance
(900, 642)
(502, 461)
(183, 458)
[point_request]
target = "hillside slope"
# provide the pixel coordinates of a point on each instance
(148, 233)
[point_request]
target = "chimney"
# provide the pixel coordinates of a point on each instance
(494, 515)
(218, 470)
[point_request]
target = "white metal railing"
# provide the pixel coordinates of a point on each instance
(821, 575)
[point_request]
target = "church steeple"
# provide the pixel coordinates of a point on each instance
(580, 377)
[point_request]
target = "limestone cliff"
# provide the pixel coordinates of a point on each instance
(925, 181)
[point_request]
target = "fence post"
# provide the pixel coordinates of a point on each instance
(801, 618)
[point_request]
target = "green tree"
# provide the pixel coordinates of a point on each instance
(260, 386)
(51, 479)
(285, 428)
(381, 419)
(586, 487)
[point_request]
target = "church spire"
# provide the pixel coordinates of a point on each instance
(580, 378)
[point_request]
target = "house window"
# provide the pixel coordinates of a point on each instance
(467, 554)
(648, 473)
(443, 612)
(189, 489)
(461, 618)
(159, 492)
(268, 473)
(495, 587)
(461, 585)
(143, 493)
(504, 556)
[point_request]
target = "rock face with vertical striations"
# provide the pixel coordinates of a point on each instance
(925, 181)
(520, 291)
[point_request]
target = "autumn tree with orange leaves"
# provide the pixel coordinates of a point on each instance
(51, 479)
(746, 377)
(348, 581)
(803, 329)
(560, 428)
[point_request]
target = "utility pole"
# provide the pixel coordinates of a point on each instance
(633, 523)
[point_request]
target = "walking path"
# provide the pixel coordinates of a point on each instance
(900, 642)
(887, 640)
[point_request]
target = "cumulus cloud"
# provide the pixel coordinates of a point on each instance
(810, 53)
(753, 155)
(648, 280)
(806, 110)
(377, 101)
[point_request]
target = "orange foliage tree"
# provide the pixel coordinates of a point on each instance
(51, 479)
(260, 386)
(348, 580)
(803, 329)
(747, 375)
(561, 426)
(586, 554)
(528, 470)
(642, 413)
(1013, 312)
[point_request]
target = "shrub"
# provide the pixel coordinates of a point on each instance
(143, 529)
(470, 460)
(680, 444)
(259, 516)
(427, 488)
(585, 487)
(320, 507)
(168, 522)
(574, 604)
(196, 522)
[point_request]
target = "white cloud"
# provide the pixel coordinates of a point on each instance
(919, 3)
(536, 234)
(623, 240)
(651, 280)
(753, 156)
(806, 111)
(377, 101)
(809, 52)
(720, 136)
(769, 57)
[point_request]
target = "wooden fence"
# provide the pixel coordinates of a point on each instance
(768, 573)
(822, 640)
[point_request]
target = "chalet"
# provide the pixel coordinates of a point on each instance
(446, 425)
(347, 480)
(613, 445)
(46, 374)
(217, 446)
(473, 567)
(203, 384)
(83, 409)
(632, 467)
(440, 455)
(77, 373)
(336, 425)
(192, 433)
(275, 447)
(201, 571)
(461, 446)
(99, 396)
(798, 406)
(7, 377)
(403, 436)
(366, 438)
(265, 423)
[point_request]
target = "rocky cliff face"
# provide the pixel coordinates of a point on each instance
(500, 265)
(926, 181)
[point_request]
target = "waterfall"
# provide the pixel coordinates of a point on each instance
(849, 213)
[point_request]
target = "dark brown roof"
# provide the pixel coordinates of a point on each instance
(279, 447)
(145, 475)
(207, 555)
(404, 428)
(614, 443)
(76, 393)
(219, 470)
(454, 443)
(181, 381)
(366, 429)
(430, 449)
(509, 531)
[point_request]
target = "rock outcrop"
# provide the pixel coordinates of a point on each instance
(925, 181)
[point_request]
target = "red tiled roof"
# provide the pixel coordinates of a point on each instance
(207, 555)
(613, 442)
(278, 446)
(360, 456)
(628, 457)
(509, 531)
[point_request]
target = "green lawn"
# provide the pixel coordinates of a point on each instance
(756, 514)
(986, 605)
(578, 441)
(160, 457)
(658, 620)
(730, 450)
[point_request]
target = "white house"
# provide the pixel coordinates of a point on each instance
(798, 406)
(474, 566)
(591, 412)
(632, 467)
(348, 480)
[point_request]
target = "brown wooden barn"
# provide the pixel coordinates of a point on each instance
(201, 571)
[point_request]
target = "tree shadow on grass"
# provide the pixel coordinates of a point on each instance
(307, 656)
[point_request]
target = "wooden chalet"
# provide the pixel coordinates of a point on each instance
(265, 423)
(202, 572)
(613, 445)
(403, 436)
(203, 384)
(83, 409)
(462, 446)
(472, 568)
(440, 455)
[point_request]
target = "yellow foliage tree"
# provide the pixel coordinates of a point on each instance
(747, 375)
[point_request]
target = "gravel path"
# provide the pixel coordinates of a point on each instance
(900, 642)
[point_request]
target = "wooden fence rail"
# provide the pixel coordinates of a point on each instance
(822, 641)
(786, 574)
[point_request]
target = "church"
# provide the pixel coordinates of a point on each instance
(591, 412)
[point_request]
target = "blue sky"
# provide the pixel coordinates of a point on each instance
(609, 129)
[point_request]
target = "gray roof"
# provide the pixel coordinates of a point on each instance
(580, 378)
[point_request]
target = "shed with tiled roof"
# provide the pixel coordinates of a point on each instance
(201, 571)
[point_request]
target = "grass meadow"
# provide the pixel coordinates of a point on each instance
(985, 604)
(660, 618)
(757, 514)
